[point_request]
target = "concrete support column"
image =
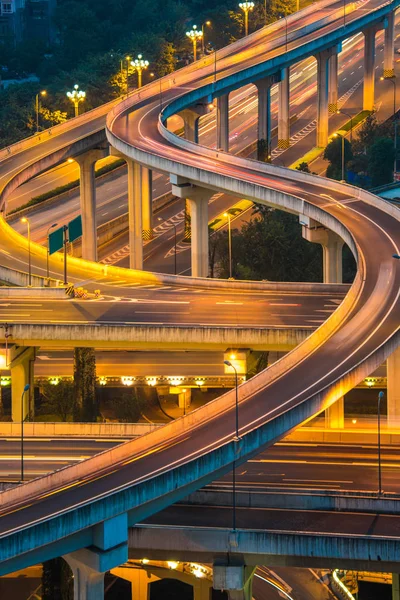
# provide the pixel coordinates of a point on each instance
(332, 246)
(388, 60)
(199, 237)
(395, 586)
(223, 122)
(334, 415)
(191, 125)
(264, 110)
(333, 84)
(284, 110)
(202, 590)
(22, 360)
(135, 215)
(369, 68)
(198, 206)
(322, 90)
(393, 389)
(147, 203)
(184, 399)
(235, 579)
(87, 164)
(88, 583)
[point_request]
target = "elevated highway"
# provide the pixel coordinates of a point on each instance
(93, 503)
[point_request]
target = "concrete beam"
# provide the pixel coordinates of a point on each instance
(223, 122)
(264, 107)
(369, 67)
(135, 215)
(284, 110)
(332, 246)
(323, 59)
(22, 360)
(388, 60)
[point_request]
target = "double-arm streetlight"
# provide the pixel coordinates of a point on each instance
(37, 106)
(393, 82)
(140, 65)
(28, 225)
(246, 8)
(77, 96)
(194, 34)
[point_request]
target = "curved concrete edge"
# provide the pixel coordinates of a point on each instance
(78, 430)
(21, 278)
(45, 293)
(92, 269)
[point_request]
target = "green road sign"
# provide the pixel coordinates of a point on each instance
(56, 240)
(75, 228)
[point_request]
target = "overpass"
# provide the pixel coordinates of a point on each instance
(93, 503)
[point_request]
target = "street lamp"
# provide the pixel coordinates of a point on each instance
(174, 226)
(246, 8)
(127, 58)
(194, 34)
(342, 112)
(228, 215)
(26, 389)
(380, 397)
(393, 82)
(208, 23)
(139, 64)
(26, 220)
(342, 137)
(42, 93)
(236, 439)
(76, 96)
(48, 249)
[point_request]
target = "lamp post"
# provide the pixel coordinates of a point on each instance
(42, 93)
(246, 8)
(26, 389)
(48, 249)
(380, 397)
(208, 23)
(139, 64)
(127, 58)
(236, 439)
(228, 215)
(174, 226)
(342, 138)
(194, 34)
(26, 220)
(393, 82)
(342, 112)
(76, 96)
(283, 16)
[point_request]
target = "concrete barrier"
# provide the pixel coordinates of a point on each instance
(343, 436)
(78, 430)
(45, 293)
(21, 278)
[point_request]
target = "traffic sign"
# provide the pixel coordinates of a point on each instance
(75, 228)
(56, 240)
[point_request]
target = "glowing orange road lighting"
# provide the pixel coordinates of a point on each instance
(128, 381)
(208, 23)
(139, 64)
(145, 561)
(42, 93)
(151, 381)
(103, 381)
(232, 356)
(246, 8)
(194, 34)
(354, 421)
(173, 564)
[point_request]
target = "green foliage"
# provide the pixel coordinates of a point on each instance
(369, 132)
(59, 399)
(128, 406)
(57, 580)
(166, 62)
(381, 161)
(333, 152)
(86, 409)
(303, 166)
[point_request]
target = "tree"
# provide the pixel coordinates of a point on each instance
(369, 132)
(263, 151)
(85, 407)
(59, 399)
(57, 580)
(128, 407)
(303, 166)
(166, 62)
(381, 162)
(333, 153)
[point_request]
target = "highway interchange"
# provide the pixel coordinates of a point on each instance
(361, 334)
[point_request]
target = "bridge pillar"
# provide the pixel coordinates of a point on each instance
(333, 83)
(237, 580)
(323, 59)
(147, 203)
(223, 122)
(87, 162)
(393, 389)
(140, 580)
(264, 108)
(388, 60)
(198, 202)
(135, 214)
(334, 415)
(369, 68)
(284, 110)
(22, 360)
(185, 398)
(395, 586)
(332, 246)
(191, 117)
